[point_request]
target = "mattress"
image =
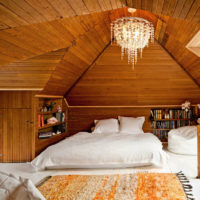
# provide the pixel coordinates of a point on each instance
(105, 150)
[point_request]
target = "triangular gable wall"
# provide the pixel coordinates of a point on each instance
(156, 80)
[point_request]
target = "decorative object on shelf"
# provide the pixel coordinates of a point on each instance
(186, 106)
(59, 108)
(52, 120)
(132, 34)
(50, 106)
(44, 109)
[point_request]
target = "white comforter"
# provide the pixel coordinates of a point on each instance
(86, 150)
(17, 188)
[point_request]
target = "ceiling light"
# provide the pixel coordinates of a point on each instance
(132, 34)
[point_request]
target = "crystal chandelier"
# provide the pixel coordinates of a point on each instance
(132, 34)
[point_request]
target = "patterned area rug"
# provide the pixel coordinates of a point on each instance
(139, 186)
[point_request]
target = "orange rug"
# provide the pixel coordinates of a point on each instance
(140, 186)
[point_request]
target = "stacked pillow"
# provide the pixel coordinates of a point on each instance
(124, 125)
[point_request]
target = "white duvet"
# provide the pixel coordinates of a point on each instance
(107, 150)
(17, 188)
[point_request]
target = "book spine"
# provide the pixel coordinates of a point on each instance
(42, 120)
(39, 120)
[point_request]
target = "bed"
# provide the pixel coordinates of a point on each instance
(105, 150)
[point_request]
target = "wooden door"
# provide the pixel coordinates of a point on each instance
(17, 135)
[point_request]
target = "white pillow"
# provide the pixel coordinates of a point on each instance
(183, 140)
(131, 125)
(106, 126)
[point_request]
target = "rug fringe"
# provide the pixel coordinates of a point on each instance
(43, 181)
(186, 186)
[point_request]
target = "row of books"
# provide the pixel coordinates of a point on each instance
(161, 134)
(179, 114)
(171, 114)
(169, 124)
(60, 116)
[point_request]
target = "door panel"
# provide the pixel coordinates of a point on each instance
(17, 135)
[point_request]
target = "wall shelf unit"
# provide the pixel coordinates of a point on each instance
(165, 119)
(46, 132)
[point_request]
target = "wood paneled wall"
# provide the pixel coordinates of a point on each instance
(16, 126)
(156, 80)
(16, 99)
(82, 118)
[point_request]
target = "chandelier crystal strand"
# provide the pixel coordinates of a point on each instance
(132, 34)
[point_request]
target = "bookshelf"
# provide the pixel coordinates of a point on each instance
(165, 119)
(51, 121)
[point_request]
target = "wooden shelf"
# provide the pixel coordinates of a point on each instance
(166, 129)
(50, 125)
(170, 119)
(49, 112)
(40, 140)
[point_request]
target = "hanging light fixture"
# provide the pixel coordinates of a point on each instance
(132, 34)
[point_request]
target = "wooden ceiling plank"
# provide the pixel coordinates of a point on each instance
(62, 31)
(120, 3)
(139, 4)
(158, 29)
(30, 10)
(187, 6)
(29, 36)
(154, 6)
(33, 72)
(63, 8)
(17, 10)
(179, 7)
(193, 10)
(73, 26)
(9, 18)
(3, 26)
(160, 6)
(93, 5)
(45, 9)
(16, 51)
(171, 8)
(196, 18)
(166, 7)
(143, 4)
(4, 35)
(105, 5)
(149, 5)
(113, 4)
(79, 7)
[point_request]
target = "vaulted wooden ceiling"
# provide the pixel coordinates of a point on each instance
(49, 44)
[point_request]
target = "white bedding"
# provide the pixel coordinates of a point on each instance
(113, 150)
(17, 188)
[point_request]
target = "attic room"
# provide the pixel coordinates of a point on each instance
(100, 99)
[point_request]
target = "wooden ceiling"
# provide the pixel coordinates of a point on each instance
(32, 73)
(15, 13)
(58, 40)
